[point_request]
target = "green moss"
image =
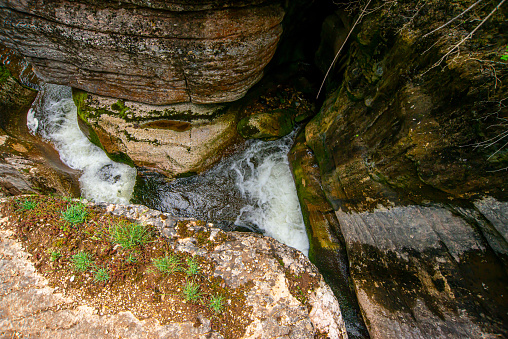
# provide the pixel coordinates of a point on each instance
(79, 97)
(120, 107)
(266, 126)
(186, 175)
(4, 74)
(121, 157)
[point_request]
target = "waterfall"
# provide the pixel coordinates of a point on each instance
(54, 116)
(253, 189)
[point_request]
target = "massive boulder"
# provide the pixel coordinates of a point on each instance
(175, 140)
(282, 293)
(156, 52)
(408, 164)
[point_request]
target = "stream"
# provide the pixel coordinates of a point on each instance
(252, 190)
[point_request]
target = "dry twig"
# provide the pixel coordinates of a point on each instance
(362, 14)
(467, 36)
(452, 20)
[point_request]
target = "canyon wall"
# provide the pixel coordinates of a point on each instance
(410, 151)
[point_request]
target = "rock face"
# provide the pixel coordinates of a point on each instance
(176, 140)
(269, 272)
(425, 272)
(327, 245)
(404, 165)
(157, 52)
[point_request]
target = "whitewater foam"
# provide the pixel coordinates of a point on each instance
(264, 178)
(54, 116)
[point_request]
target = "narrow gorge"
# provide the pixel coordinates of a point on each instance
(304, 169)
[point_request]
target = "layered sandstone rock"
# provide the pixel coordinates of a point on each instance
(175, 140)
(406, 153)
(157, 53)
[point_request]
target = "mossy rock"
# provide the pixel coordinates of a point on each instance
(266, 126)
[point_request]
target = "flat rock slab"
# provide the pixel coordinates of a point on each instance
(425, 272)
(30, 307)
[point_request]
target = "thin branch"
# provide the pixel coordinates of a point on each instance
(342, 46)
(497, 151)
(499, 170)
(469, 35)
(452, 20)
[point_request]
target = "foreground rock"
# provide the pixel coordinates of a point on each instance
(272, 276)
(157, 53)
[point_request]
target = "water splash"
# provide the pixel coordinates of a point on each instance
(253, 189)
(54, 116)
(264, 179)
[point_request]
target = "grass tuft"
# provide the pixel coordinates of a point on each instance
(130, 235)
(191, 291)
(75, 213)
(55, 255)
(193, 267)
(81, 261)
(132, 258)
(216, 303)
(101, 275)
(168, 264)
(27, 205)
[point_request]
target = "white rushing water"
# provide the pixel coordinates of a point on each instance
(264, 178)
(54, 116)
(259, 177)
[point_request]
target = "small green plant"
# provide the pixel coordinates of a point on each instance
(130, 235)
(168, 264)
(27, 205)
(504, 57)
(193, 267)
(216, 303)
(55, 255)
(81, 261)
(131, 258)
(75, 213)
(101, 275)
(191, 291)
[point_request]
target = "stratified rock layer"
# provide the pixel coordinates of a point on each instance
(158, 53)
(175, 140)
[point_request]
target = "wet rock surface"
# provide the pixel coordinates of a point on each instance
(157, 53)
(272, 274)
(399, 154)
(327, 245)
(266, 126)
(27, 164)
(425, 272)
